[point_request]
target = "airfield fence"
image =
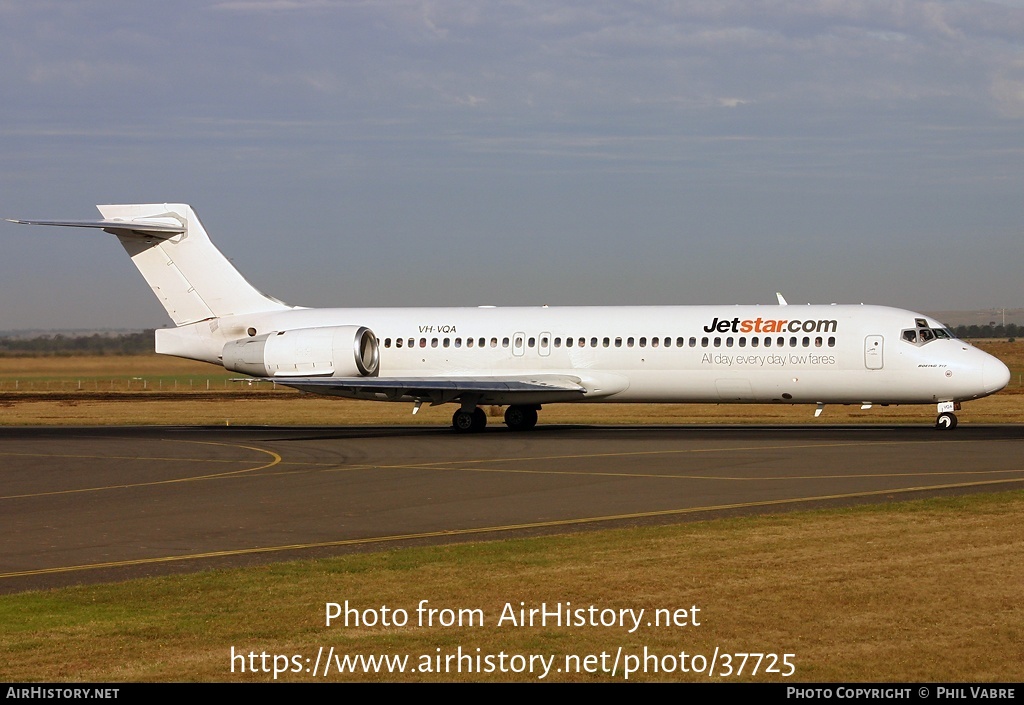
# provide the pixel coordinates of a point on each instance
(182, 386)
(142, 384)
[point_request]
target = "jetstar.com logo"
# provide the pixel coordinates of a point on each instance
(770, 325)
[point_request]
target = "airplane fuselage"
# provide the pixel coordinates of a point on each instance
(770, 354)
(526, 357)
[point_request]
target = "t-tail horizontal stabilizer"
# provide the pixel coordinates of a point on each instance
(170, 247)
(163, 229)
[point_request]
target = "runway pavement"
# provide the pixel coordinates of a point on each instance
(98, 504)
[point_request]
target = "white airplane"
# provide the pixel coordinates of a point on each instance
(523, 358)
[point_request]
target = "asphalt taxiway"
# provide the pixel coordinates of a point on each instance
(98, 504)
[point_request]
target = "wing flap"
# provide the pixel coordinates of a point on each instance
(536, 383)
(440, 390)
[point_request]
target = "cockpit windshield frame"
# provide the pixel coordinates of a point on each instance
(924, 334)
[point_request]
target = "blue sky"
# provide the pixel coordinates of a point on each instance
(450, 153)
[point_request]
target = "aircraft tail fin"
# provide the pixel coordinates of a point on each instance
(188, 274)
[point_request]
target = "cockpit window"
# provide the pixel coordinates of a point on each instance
(923, 334)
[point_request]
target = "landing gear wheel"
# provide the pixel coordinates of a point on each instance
(946, 422)
(479, 420)
(520, 418)
(469, 421)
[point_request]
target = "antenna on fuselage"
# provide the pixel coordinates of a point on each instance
(782, 299)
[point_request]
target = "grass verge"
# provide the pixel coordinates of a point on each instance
(161, 390)
(916, 591)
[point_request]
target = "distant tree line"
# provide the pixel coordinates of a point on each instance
(1010, 330)
(67, 345)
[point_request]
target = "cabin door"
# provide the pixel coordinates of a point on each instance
(518, 344)
(544, 344)
(873, 352)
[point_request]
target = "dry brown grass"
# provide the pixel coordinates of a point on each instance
(238, 404)
(301, 410)
(105, 366)
(923, 591)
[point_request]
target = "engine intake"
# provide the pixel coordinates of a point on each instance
(335, 351)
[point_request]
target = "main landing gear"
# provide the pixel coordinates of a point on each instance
(518, 417)
(521, 418)
(469, 421)
(946, 420)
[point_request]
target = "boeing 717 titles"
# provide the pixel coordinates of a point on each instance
(523, 358)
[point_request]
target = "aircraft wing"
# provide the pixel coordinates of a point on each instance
(439, 390)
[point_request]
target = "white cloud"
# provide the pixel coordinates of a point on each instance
(1008, 90)
(740, 124)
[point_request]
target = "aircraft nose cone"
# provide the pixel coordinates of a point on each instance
(994, 375)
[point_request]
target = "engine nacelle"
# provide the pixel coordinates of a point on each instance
(335, 351)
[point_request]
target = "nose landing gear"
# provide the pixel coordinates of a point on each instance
(946, 420)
